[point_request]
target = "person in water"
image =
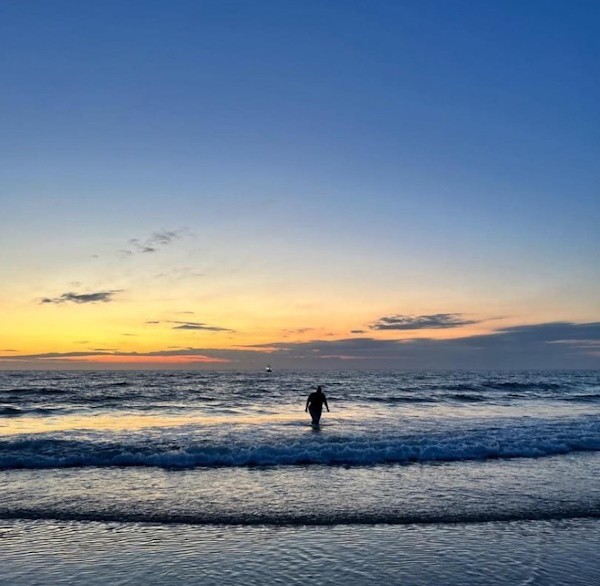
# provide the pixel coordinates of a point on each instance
(314, 404)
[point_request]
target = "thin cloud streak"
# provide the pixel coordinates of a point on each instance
(190, 325)
(198, 326)
(421, 322)
(192, 354)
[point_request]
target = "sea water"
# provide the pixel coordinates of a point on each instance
(220, 478)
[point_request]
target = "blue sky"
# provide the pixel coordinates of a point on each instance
(324, 164)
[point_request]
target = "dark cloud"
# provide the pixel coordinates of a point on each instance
(357, 331)
(548, 345)
(8, 350)
(553, 332)
(152, 322)
(69, 297)
(421, 322)
(358, 347)
(192, 325)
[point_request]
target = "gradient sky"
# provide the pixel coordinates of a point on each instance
(339, 184)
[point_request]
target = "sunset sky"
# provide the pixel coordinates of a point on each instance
(306, 184)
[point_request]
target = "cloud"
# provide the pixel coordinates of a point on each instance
(358, 347)
(141, 247)
(69, 297)
(548, 345)
(357, 331)
(192, 325)
(421, 322)
(49, 355)
(152, 243)
(165, 236)
(165, 357)
(553, 331)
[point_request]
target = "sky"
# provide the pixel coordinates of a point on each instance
(306, 184)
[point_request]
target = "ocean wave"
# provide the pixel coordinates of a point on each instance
(466, 398)
(586, 398)
(8, 411)
(401, 399)
(535, 440)
(535, 386)
(457, 387)
(121, 383)
(277, 518)
(34, 391)
(393, 399)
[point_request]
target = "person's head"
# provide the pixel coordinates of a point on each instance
(319, 389)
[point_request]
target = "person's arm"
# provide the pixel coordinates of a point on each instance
(326, 405)
(307, 403)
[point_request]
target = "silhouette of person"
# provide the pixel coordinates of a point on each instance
(314, 404)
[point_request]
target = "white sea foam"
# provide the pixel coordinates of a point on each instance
(243, 448)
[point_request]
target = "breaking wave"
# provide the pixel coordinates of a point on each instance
(541, 438)
(7, 411)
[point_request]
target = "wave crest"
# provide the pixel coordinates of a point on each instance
(544, 438)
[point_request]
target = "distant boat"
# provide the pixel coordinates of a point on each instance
(268, 369)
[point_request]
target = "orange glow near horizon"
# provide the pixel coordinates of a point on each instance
(141, 359)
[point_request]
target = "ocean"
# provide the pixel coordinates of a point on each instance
(131, 477)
